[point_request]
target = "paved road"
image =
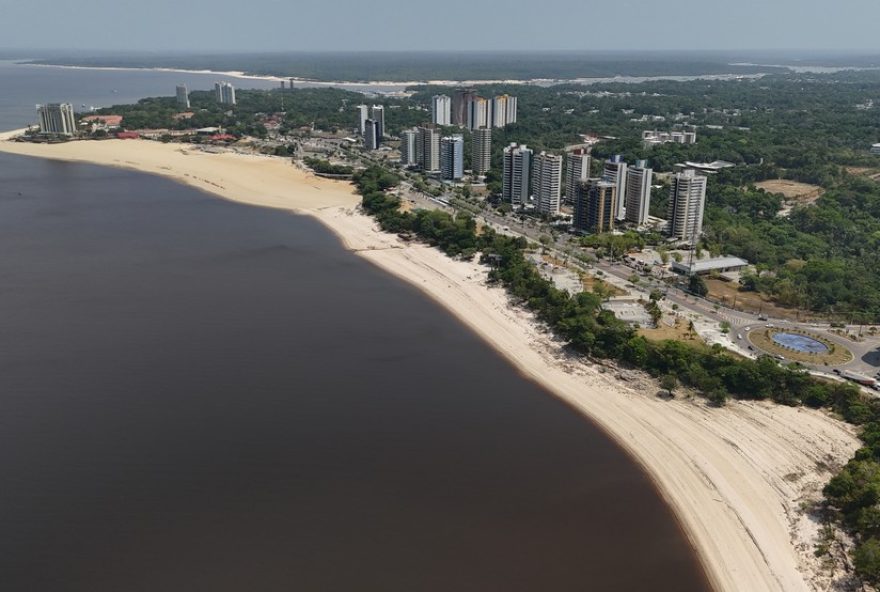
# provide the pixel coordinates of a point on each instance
(866, 354)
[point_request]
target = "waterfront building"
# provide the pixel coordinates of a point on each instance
(377, 114)
(57, 119)
(687, 202)
(224, 93)
(516, 174)
(364, 115)
(452, 157)
(408, 152)
(547, 183)
(428, 149)
(615, 171)
(182, 96)
(372, 137)
(638, 192)
(577, 170)
(481, 152)
(441, 110)
(595, 206)
(478, 113)
(461, 100)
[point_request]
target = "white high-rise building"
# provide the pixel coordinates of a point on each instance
(377, 114)
(364, 115)
(441, 110)
(687, 201)
(577, 170)
(408, 142)
(224, 93)
(182, 96)
(57, 119)
(511, 110)
(372, 138)
(638, 192)
(516, 175)
(481, 152)
(452, 157)
(615, 171)
(503, 110)
(547, 183)
(428, 149)
(478, 113)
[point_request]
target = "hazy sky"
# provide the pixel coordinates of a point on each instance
(167, 25)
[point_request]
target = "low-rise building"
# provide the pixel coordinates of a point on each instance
(705, 266)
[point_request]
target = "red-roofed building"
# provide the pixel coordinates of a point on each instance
(128, 135)
(222, 138)
(105, 120)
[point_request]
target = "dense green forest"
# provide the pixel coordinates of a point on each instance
(809, 128)
(852, 496)
(328, 109)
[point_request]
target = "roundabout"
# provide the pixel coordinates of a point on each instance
(796, 345)
(800, 343)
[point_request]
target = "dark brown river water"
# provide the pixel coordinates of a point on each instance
(199, 395)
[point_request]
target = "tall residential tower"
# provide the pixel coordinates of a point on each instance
(547, 183)
(638, 192)
(577, 170)
(516, 175)
(481, 153)
(615, 171)
(452, 157)
(687, 200)
(57, 119)
(182, 96)
(441, 110)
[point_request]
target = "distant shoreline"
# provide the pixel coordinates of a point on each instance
(309, 82)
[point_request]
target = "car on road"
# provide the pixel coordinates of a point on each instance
(739, 335)
(769, 325)
(762, 318)
(779, 357)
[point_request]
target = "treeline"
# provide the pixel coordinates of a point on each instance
(589, 329)
(327, 109)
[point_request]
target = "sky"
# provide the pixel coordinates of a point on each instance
(344, 25)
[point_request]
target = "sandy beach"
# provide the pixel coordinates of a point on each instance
(736, 477)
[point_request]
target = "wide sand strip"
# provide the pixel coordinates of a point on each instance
(735, 476)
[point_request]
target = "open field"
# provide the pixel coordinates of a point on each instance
(754, 302)
(792, 190)
(679, 332)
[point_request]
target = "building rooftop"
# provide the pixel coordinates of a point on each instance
(714, 166)
(705, 265)
(110, 120)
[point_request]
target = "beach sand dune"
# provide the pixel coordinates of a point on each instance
(736, 477)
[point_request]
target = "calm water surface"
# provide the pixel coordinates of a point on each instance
(200, 395)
